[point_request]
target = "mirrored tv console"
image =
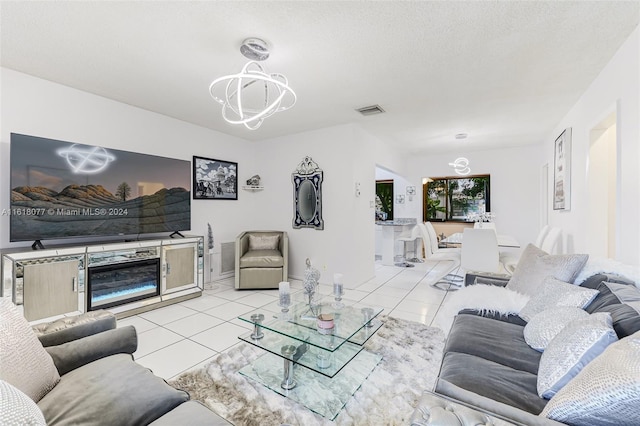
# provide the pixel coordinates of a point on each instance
(126, 277)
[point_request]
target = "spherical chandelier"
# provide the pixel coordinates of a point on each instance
(253, 94)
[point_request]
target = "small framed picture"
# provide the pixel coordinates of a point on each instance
(214, 179)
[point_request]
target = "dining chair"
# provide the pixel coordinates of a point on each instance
(510, 259)
(433, 252)
(551, 242)
(480, 251)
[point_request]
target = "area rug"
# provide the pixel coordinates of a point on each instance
(411, 359)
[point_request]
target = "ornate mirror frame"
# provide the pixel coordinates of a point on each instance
(307, 211)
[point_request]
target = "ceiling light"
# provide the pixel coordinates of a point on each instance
(253, 94)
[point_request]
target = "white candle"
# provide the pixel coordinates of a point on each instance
(283, 287)
(337, 278)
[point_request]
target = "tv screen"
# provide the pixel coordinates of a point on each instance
(62, 189)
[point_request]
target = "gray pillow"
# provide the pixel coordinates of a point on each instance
(535, 265)
(263, 242)
(552, 293)
(25, 363)
(16, 408)
(606, 392)
(544, 326)
(577, 344)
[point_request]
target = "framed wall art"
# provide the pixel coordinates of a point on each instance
(562, 171)
(214, 179)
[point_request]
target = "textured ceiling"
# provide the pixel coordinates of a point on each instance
(503, 72)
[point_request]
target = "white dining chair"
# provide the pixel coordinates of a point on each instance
(480, 251)
(433, 252)
(551, 242)
(510, 259)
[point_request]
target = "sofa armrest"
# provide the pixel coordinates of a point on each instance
(77, 353)
(72, 328)
(438, 410)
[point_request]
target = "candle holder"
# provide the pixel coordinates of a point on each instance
(257, 326)
(338, 291)
(284, 297)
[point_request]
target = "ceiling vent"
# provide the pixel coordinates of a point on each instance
(370, 110)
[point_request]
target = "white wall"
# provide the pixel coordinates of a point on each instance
(38, 107)
(616, 89)
(347, 155)
(515, 189)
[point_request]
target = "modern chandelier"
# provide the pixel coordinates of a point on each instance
(253, 94)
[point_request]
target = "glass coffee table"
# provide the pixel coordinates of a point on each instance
(319, 367)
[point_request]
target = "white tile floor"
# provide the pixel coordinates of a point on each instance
(184, 336)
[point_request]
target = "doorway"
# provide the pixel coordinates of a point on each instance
(602, 188)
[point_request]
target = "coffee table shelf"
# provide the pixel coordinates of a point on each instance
(319, 370)
(321, 394)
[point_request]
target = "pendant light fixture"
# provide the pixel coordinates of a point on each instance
(253, 94)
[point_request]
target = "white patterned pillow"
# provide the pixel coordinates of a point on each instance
(552, 293)
(263, 242)
(25, 364)
(535, 265)
(17, 409)
(544, 326)
(577, 344)
(605, 392)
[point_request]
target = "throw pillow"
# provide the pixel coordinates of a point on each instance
(263, 242)
(534, 265)
(577, 344)
(544, 326)
(553, 293)
(605, 392)
(25, 363)
(16, 408)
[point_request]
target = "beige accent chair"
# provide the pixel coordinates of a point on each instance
(261, 259)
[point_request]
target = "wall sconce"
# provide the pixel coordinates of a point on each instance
(400, 199)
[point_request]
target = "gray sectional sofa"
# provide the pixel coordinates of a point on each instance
(488, 364)
(80, 371)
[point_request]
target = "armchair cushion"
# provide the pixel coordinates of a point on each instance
(262, 259)
(263, 242)
(110, 391)
(25, 364)
(77, 353)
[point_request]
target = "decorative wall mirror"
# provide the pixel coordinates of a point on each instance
(307, 195)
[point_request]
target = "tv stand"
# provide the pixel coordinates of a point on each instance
(37, 245)
(176, 233)
(66, 280)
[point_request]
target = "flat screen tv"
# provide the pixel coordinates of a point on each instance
(62, 190)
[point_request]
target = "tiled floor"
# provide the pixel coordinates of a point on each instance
(184, 336)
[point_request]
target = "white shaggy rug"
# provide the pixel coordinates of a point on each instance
(411, 354)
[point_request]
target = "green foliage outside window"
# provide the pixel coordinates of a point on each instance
(454, 199)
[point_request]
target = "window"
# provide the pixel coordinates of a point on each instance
(384, 199)
(455, 199)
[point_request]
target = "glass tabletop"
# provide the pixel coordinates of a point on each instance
(350, 324)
